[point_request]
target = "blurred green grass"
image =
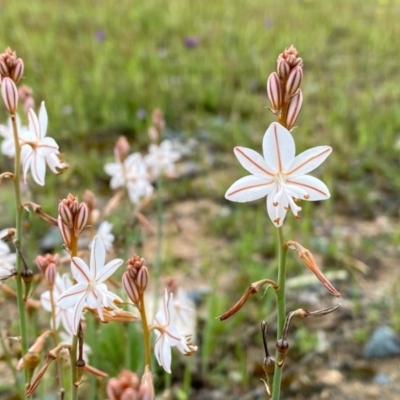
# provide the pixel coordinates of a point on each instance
(102, 67)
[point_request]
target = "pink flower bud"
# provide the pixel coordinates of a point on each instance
(274, 91)
(10, 95)
(50, 274)
(3, 68)
(294, 80)
(142, 278)
(146, 391)
(121, 149)
(65, 214)
(131, 288)
(294, 108)
(18, 71)
(283, 69)
(81, 218)
(66, 233)
(130, 394)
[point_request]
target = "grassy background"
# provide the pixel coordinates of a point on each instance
(103, 66)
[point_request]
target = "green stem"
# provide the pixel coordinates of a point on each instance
(146, 331)
(157, 264)
(73, 351)
(72, 355)
(281, 305)
(18, 226)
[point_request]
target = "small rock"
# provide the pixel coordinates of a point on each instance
(383, 343)
(381, 379)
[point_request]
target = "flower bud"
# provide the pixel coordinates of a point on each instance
(18, 71)
(283, 69)
(130, 394)
(81, 218)
(121, 149)
(65, 214)
(66, 233)
(10, 95)
(294, 108)
(274, 91)
(294, 80)
(142, 278)
(31, 360)
(158, 120)
(130, 287)
(146, 391)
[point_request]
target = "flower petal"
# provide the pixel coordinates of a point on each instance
(38, 168)
(77, 314)
(277, 205)
(27, 156)
(253, 162)
(72, 296)
(309, 160)
(315, 188)
(34, 126)
(97, 256)
(107, 270)
(278, 147)
(80, 271)
(249, 188)
(162, 352)
(43, 119)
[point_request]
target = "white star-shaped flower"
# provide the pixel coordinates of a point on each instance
(132, 174)
(161, 159)
(90, 291)
(279, 175)
(62, 283)
(168, 335)
(37, 149)
(104, 231)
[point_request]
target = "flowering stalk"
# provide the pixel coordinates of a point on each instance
(146, 331)
(281, 305)
(18, 225)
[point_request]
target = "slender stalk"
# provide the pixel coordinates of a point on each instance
(55, 339)
(18, 226)
(146, 331)
(73, 351)
(157, 264)
(281, 305)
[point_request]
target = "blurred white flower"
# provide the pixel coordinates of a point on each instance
(132, 174)
(37, 149)
(168, 335)
(7, 259)
(279, 175)
(8, 144)
(61, 284)
(161, 159)
(104, 232)
(90, 291)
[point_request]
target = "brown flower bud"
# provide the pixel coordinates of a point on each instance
(294, 80)
(291, 56)
(31, 360)
(130, 394)
(65, 214)
(274, 91)
(294, 109)
(10, 95)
